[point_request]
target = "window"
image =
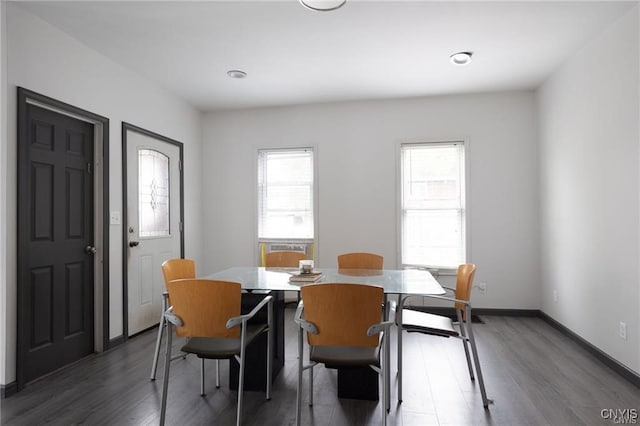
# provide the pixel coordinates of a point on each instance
(153, 193)
(433, 204)
(285, 194)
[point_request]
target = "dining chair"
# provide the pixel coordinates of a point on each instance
(172, 269)
(360, 261)
(207, 313)
(345, 328)
(417, 321)
(283, 259)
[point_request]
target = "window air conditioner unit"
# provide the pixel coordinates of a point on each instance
(306, 247)
(300, 248)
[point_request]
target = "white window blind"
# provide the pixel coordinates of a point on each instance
(433, 204)
(285, 194)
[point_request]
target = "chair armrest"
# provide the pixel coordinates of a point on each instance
(385, 325)
(449, 299)
(446, 289)
(308, 326)
(242, 319)
(173, 318)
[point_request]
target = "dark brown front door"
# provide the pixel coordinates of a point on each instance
(55, 237)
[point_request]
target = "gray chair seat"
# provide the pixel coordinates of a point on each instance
(423, 322)
(219, 348)
(345, 356)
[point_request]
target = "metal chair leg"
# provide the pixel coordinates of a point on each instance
(401, 301)
(386, 359)
(161, 326)
(165, 383)
(202, 393)
(385, 379)
(241, 373)
(217, 374)
(269, 348)
(465, 341)
(310, 386)
(156, 352)
(485, 401)
(385, 396)
(300, 365)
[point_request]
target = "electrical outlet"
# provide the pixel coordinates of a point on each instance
(482, 287)
(623, 330)
(555, 295)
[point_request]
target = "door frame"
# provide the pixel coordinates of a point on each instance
(125, 212)
(101, 216)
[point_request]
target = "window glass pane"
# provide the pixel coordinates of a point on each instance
(431, 177)
(433, 210)
(433, 237)
(285, 194)
(153, 193)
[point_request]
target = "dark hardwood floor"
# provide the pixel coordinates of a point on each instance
(535, 374)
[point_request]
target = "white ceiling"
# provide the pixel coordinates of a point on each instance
(366, 50)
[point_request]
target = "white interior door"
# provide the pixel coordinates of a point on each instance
(153, 224)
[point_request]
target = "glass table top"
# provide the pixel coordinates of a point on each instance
(401, 281)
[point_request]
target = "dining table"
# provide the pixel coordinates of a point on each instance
(400, 282)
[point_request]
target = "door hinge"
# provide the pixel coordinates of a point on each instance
(89, 168)
(181, 228)
(180, 165)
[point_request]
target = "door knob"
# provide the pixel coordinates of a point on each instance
(134, 243)
(90, 250)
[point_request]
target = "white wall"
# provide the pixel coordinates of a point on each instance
(589, 170)
(357, 146)
(45, 60)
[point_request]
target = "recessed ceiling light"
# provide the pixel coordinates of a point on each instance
(236, 74)
(461, 58)
(323, 5)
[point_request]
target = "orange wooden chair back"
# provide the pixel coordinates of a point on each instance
(343, 313)
(176, 269)
(283, 259)
(360, 261)
(464, 282)
(205, 306)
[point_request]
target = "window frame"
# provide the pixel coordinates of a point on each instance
(313, 241)
(442, 270)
